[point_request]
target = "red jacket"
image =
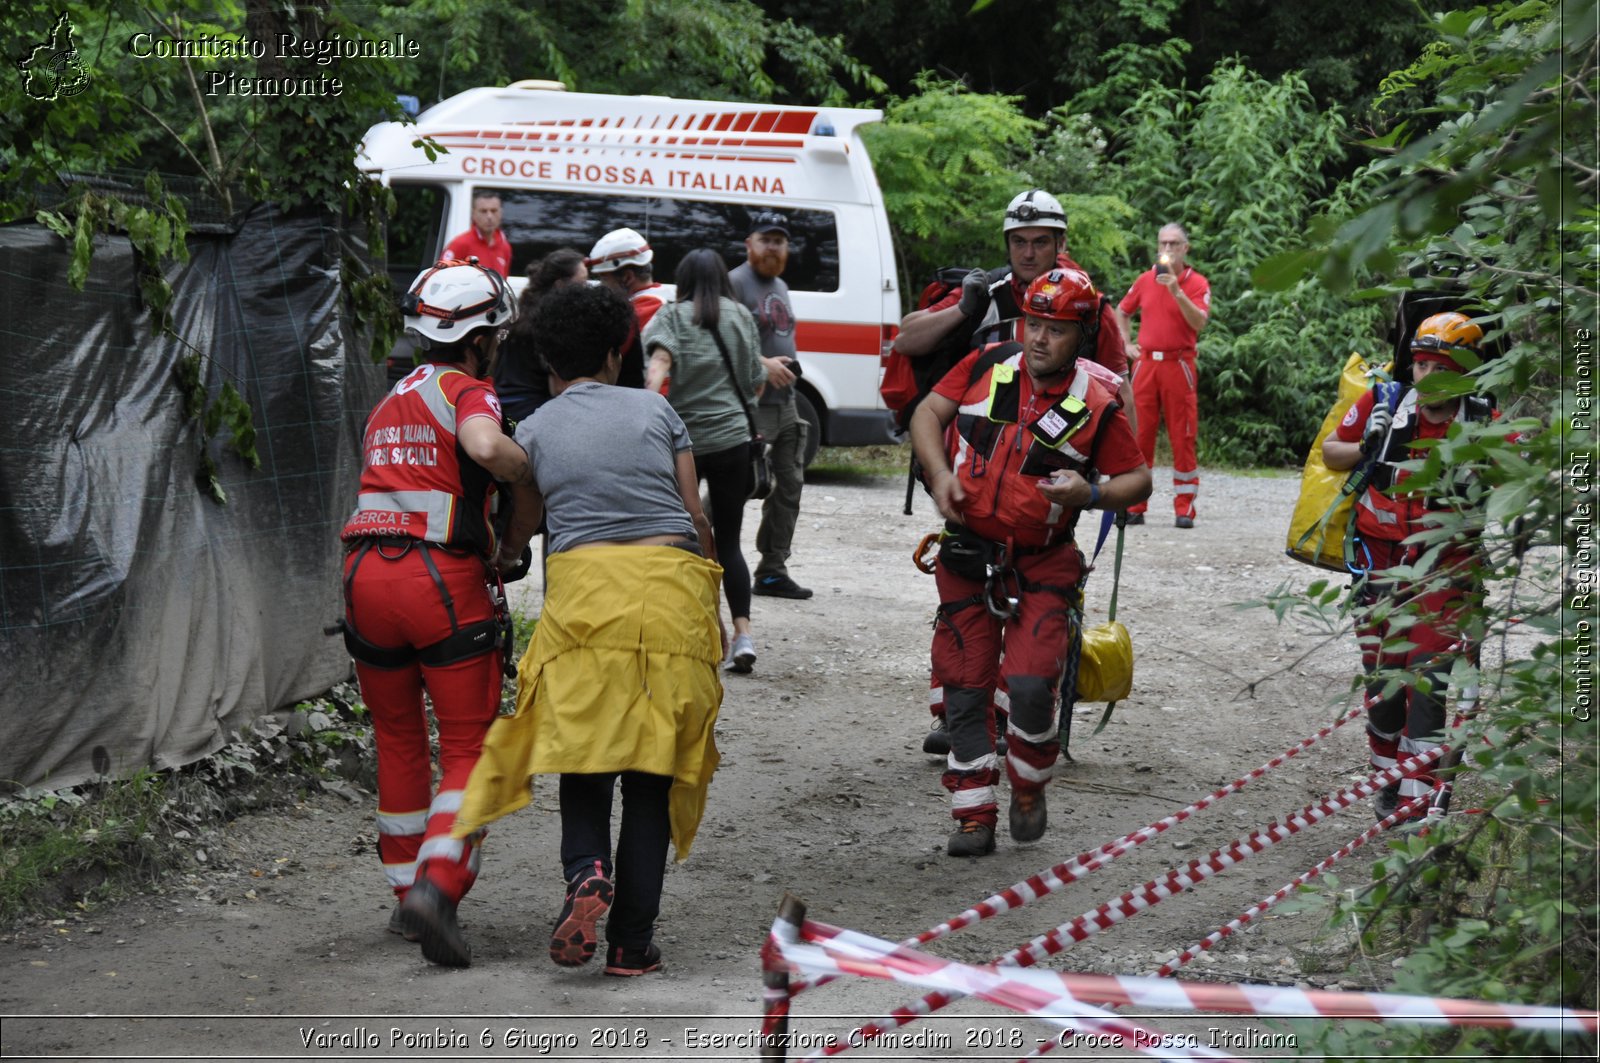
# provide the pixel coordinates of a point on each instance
(1006, 439)
(415, 478)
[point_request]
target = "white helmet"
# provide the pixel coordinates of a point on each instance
(1035, 209)
(448, 301)
(618, 248)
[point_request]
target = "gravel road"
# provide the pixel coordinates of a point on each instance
(275, 946)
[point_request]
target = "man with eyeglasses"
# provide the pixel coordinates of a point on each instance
(758, 284)
(1173, 301)
(987, 309)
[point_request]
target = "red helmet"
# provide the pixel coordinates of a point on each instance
(1439, 337)
(1063, 294)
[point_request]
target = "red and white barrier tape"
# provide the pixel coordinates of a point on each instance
(1135, 901)
(1053, 995)
(1036, 886)
(1255, 910)
(819, 950)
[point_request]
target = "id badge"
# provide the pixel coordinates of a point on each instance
(1055, 425)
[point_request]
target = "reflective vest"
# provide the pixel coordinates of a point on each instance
(415, 478)
(1385, 513)
(1000, 449)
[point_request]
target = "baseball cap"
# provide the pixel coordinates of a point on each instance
(768, 221)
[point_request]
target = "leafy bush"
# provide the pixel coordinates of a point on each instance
(948, 162)
(1486, 189)
(1241, 164)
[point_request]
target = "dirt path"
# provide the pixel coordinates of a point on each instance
(275, 947)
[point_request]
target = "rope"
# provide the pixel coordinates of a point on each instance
(1136, 901)
(1053, 995)
(1255, 910)
(1019, 894)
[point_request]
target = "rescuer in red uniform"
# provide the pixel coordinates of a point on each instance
(1015, 441)
(418, 610)
(1414, 594)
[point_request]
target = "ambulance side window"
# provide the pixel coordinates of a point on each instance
(538, 222)
(415, 239)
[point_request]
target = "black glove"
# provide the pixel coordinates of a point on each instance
(974, 293)
(1377, 429)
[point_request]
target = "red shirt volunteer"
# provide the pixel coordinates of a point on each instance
(494, 253)
(1161, 324)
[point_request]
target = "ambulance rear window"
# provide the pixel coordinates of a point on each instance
(538, 222)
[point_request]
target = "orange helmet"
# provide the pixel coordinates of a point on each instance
(1439, 337)
(1063, 295)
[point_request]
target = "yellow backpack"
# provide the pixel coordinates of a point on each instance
(1321, 519)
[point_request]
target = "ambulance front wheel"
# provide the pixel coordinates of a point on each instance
(808, 413)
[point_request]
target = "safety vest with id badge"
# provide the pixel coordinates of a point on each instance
(999, 461)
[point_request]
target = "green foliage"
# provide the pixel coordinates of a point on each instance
(1071, 156)
(947, 161)
(1483, 188)
(718, 49)
(68, 849)
(1241, 163)
(293, 149)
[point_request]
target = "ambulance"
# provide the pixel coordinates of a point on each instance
(570, 166)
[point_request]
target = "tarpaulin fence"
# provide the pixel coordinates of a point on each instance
(142, 623)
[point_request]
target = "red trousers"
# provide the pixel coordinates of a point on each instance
(1170, 389)
(1423, 640)
(395, 602)
(968, 663)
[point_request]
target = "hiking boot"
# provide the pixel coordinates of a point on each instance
(1386, 801)
(937, 740)
(431, 917)
(397, 925)
(1429, 814)
(1183, 522)
(742, 654)
(574, 940)
(625, 962)
(971, 839)
(780, 587)
(1027, 815)
(1133, 519)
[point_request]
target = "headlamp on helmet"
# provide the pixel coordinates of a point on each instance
(1035, 209)
(447, 302)
(1441, 337)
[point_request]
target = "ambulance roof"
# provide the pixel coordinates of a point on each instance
(531, 125)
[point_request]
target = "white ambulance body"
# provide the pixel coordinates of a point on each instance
(570, 166)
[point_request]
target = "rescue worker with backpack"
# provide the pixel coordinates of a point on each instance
(1423, 637)
(961, 310)
(1014, 442)
(419, 613)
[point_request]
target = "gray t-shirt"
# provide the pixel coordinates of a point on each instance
(768, 301)
(701, 390)
(605, 459)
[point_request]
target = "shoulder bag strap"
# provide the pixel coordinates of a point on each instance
(744, 403)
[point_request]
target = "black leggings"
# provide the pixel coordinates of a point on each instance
(727, 475)
(641, 862)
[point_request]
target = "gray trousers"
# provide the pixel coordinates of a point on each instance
(787, 433)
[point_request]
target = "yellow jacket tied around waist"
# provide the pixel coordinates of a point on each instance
(622, 675)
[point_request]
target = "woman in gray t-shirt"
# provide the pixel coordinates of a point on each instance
(621, 682)
(714, 389)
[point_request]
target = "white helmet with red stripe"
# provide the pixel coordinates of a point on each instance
(449, 301)
(618, 248)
